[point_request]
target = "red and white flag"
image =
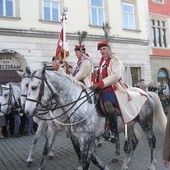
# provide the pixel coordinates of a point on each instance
(62, 49)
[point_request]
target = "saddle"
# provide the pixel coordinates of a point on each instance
(99, 105)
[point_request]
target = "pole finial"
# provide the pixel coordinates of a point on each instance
(65, 10)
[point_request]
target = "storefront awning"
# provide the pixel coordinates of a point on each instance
(7, 76)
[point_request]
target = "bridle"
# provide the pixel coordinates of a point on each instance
(11, 95)
(86, 97)
(25, 95)
(41, 91)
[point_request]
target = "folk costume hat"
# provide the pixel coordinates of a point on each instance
(79, 48)
(102, 44)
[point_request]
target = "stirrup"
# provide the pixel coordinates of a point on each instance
(110, 137)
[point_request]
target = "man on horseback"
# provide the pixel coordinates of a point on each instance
(105, 80)
(117, 96)
(83, 70)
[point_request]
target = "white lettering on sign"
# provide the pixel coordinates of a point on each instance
(8, 62)
(10, 67)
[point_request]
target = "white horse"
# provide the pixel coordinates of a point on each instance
(46, 126)
(11, 92)
(79, 112)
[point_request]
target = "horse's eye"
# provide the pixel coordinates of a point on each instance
(5, 95)
(34, 87)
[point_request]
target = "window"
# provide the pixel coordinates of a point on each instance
(158, 33)
(136, 75)
(7, 8)
(162, 77)
(128, 16)
(161, 1)
(51, 10)
(97, 12)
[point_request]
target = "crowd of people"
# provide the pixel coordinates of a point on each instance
(16, 123)
(108, 77)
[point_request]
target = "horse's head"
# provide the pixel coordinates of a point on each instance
(6, 99)
(26, 76)
(44, 86)
(10, 94)
(37, 95)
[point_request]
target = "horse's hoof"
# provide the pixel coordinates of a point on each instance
(115, 160)
(106, 168)
(50, 157)
(100, 144)
(125, 168)
(80, 168)
(152, 167)
(29, 164)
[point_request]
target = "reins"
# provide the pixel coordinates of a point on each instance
(73, 103)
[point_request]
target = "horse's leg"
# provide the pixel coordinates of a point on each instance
(96, 160)
(146, 123)
(152, 143)
(117, 152)
(129, 147)
(76, 147)
(86, 154)
(99, 140)
(41, 128)
(50, 137)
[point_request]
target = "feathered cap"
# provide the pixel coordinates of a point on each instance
(79, 48)
(102, 44)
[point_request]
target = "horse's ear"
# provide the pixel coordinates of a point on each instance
(27, 70)
(44, 69)
(21, 73)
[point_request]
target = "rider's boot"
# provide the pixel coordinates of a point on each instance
(112, 135)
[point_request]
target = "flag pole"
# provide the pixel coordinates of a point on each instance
(65, 10)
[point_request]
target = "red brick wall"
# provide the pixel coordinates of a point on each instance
(161, 52)
(159, 8)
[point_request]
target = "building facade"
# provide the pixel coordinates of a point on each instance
(160, 40)
(29, 31)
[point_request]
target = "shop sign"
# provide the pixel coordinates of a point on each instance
(9, 62)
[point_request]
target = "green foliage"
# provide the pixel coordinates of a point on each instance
(106, 28)
(81, 36)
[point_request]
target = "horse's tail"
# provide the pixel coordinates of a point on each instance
(159, 117)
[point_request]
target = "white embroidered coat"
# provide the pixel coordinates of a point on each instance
(85, 71)
(129, 108)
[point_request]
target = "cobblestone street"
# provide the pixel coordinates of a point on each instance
(14, 152)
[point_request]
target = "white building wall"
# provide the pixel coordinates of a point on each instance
(37, 47)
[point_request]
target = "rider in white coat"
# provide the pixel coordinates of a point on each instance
(84, 67)
(117, 96)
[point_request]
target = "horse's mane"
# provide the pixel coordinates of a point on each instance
(71, 78)
(15, 87)
(52, 75)
(15, 83)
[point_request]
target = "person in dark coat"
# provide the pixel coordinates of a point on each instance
(16, 113)
(166, 145)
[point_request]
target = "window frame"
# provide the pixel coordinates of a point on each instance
(98, 8)
(42, 15)
(156, 1)
(132, 3)
(14, 14)
(136, 74)
(159, 28)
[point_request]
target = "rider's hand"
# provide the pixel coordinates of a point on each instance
(165, 163)
(94, 86)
